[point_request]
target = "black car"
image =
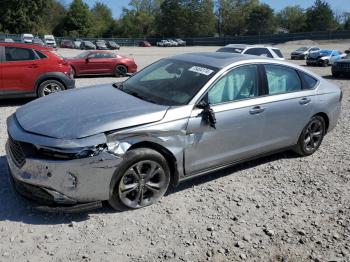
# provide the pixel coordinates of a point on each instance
(341, 67)
(87, 45)
(67, 44)
(112, 45)
(101, 45)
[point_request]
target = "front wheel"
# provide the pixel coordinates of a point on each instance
(49, 87)
(140, 181)
(311, 136)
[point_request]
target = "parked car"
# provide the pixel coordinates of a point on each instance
(32, 70)
(112, 45)
(324, 57)
(50, 41)
(38, 41)
(77, 43)
(101, 63)
(176, 119)
(163, 43)
(172, 42)
(101, 45)
(27, 38)
(87, 45)
(303, 52)
(341, 67)
(8, 40)
(144, 44)
(67, 44)
(180, 42)
(257, 50)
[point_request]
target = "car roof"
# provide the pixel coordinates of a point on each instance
(37, 47)
(221, 60)
(215, 59)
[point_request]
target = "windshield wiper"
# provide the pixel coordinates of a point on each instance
(135, 94)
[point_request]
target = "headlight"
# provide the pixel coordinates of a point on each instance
(71, 153)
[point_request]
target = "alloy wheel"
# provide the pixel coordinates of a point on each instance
(313, 135)
(143, 184)
(51, 88)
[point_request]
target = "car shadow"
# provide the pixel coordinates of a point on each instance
(337, 77)
(18, 209)
(230, 170)
(15, 101)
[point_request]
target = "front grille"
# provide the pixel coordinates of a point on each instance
(16, 152)
(343, 65)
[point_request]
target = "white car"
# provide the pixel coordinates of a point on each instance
(27, 38)
(50, 41)
(258, 50)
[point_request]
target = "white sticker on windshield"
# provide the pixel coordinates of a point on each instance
(201, 70)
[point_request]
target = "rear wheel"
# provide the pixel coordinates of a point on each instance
(141, 180)
(49, 87)
(311, 137)
(120, 70)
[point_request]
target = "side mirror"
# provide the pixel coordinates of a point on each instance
(208, 113)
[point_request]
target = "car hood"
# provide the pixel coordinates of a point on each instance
(85, 112)
(298, 53)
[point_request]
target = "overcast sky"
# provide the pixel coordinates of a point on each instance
(337, 5)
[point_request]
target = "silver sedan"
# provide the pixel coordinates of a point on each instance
(178, 118)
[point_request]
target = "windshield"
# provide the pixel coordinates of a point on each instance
(83, 54)
(28, 38)
(49, 38)
(169, 82)
(230, 50)
(302, 49)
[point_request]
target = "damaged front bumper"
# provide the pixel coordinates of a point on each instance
(72, 182)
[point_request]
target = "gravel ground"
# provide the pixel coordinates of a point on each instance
(278, 208)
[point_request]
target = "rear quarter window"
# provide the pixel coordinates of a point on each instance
(278, 52)
(309, 82)
(40, 54)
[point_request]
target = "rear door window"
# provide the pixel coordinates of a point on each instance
(19, 54)
(281, 79)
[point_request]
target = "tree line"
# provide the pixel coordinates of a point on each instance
(166, 18)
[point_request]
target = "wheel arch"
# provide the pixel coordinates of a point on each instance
(325, 117)
(169, 156)
(49, 76)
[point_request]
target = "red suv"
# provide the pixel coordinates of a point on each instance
(32, 70)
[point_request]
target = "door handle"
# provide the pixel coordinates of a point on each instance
(33, 66)
(256, 110)
(304, 101)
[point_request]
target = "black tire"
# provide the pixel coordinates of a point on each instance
(120, 70)
(50, 86)
(134, 184)
(335, 74)
(311, 137)
(74, 73)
